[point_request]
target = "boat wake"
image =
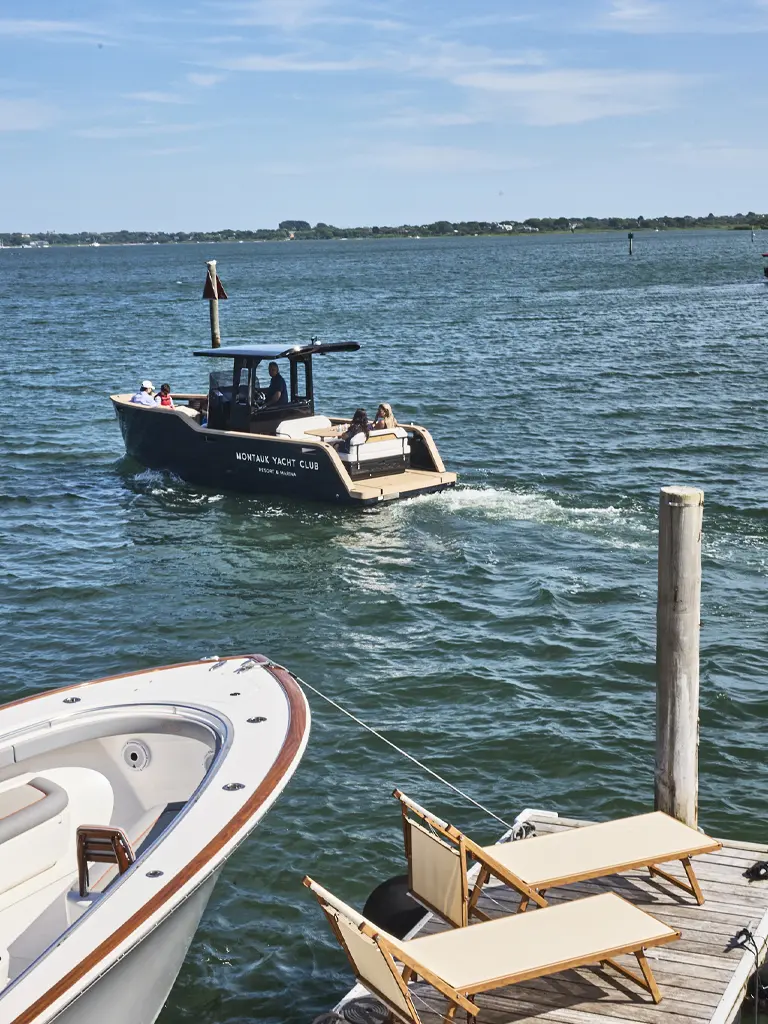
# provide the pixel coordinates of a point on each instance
(160, 483)
(626, 527)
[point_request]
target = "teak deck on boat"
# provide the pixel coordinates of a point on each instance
(397, 485)
(701, 980)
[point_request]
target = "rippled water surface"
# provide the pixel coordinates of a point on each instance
(504, 632)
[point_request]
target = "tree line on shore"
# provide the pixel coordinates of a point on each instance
(299, 230)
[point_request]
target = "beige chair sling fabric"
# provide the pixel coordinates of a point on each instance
(436, 872)
(371, 965)
(611, 846)
(543, 862)
(463, 962)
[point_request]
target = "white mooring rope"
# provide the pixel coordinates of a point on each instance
(405, 753)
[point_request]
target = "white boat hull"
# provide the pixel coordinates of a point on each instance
(170, 768)
(134, 991)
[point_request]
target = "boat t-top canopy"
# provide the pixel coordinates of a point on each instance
(278, 351)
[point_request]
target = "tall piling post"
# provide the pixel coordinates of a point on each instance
(630, 237)
(677, 653)
(213, 291)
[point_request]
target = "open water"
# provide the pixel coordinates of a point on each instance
(504, 632)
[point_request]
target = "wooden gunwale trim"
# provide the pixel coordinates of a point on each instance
(293, 740)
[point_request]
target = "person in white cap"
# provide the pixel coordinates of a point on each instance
(144, 395)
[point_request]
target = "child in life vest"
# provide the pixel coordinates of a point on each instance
(164, 398)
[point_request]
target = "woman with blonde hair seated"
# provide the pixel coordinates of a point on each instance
(384, 417)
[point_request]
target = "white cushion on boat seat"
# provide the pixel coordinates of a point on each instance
(40, 827)
(388, 443)
(185, 410)
(297, 428)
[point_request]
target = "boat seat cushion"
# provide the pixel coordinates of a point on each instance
(391, 442)
(298, 428)
(186, 410)
(39, 813)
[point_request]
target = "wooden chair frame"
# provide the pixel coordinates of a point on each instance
(393, 952)
(491, 867)
(467, 849)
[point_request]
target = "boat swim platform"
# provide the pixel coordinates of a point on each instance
(408, 484)
(702, 976)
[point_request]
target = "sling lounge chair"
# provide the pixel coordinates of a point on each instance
(463, 962)
(437, 858)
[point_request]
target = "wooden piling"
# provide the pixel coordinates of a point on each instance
(677, 652)
(214, 305)
(630, 236)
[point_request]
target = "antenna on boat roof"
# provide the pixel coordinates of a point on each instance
(213, 290)
(405, 753)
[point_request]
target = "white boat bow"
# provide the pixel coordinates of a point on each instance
(183, 761)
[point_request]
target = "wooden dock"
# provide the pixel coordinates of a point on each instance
(702, 976)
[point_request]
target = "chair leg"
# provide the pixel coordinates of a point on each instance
(645, 981)
(694, 889)
(645, 967)
(691, 874)
(483, 876)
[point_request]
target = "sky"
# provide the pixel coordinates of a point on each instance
(205, 114)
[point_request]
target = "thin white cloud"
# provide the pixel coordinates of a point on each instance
(715, 154)
(23, 115)
(291, 16)
(428, 58)
(50, 29)
(294, 62)
(137, 131)
(573, 96)
(489, 20)
(203, 80)
(420, 159)
(435, 59)
(403, 158)
(155, 97)
(286, 15)
(634, 12)
(172, 150)
(692, 17)
(410, 117)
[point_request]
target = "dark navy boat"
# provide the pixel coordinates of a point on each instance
(231, 439)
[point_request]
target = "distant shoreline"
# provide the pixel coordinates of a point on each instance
(299, 231)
